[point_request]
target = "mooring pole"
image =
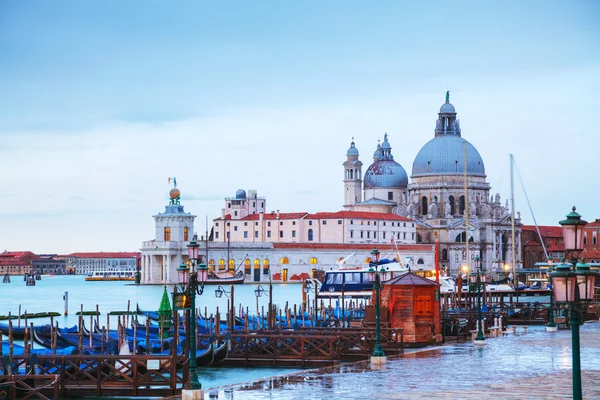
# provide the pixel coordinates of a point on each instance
(66, 299)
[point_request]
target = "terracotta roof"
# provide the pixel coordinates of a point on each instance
(594, 224)
(17, 258)
(410, 279)
(322, 215)
(545, 231)
(357, 215)
(353, 246)
(591, 254)
(105, 255)
(556, 247)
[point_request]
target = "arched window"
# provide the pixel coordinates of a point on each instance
(185, 233)
(211, 264)
(310, 235)
(420, 261)
(461, 205)
(460, 238)
(247, 266)
(424, 205)
(314, 260)
(419, 238)
(167, 234)
(452, 205)
(444, 254)
(284, 260)
(231, 265)
(221, 265)
(266, 266)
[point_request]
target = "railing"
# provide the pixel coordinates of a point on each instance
(101, 375)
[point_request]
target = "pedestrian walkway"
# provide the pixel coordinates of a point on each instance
(535, 365)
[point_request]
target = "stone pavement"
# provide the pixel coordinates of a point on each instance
(536, 365)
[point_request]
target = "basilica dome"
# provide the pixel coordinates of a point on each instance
(443, 155)
(385, 172)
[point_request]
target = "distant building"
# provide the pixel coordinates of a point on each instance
(533, 251)
(591, 242)
(16, 262)
(48, 264)
(88, 263)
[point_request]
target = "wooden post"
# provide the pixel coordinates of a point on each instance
(19, 318)
(10, 336)
(91, 329)
(97, 318)
(102, 341)
(147, 334)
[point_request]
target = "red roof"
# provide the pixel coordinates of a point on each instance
(556, 247)
(105, 255)
(545, 231)
(17, 258)
(594, 224)
(352, 246)
(322, 215)
(357, 215)
(591, 254)
(532, 243)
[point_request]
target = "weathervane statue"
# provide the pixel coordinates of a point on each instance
(174, 194)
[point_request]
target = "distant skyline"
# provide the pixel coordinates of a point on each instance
(102, 101)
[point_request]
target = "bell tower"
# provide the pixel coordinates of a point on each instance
(352, 177)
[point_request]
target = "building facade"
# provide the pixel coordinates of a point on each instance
(16, 262)
(48, 264)
(88, 263)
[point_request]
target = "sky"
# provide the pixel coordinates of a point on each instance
(102, 101)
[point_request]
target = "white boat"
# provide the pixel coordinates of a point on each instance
(112, 275)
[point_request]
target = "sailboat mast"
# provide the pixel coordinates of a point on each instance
(466, 210)
(512, 222)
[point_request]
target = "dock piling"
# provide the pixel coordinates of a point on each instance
(66, 299)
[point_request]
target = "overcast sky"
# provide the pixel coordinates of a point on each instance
(102, 101)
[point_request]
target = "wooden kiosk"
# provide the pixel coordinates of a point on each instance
(413, 304)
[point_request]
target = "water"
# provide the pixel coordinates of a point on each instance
(48, 293)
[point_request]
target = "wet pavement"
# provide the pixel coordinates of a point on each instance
(535, 365)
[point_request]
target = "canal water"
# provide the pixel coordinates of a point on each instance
(47, 295)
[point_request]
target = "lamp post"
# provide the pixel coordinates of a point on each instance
(551, 326)
(230, 294)
(574, 287)
(190, 285)
(378, 356)
(258, 292)
(477, 280)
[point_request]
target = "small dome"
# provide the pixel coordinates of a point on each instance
(447, 108)
(240, 194)
(385, 174)
(352, 151)
(386, 145)
(378, 153)
(174, 193)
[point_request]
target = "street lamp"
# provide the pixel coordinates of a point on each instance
(190, 285)
(574, 287)
(230, 294)
(378, 356)
(477, 280)
(551, 326)
(258, 292)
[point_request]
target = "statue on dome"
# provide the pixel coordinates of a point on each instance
(174, 194)
(447, 96)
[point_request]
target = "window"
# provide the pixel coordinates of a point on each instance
(324, 222)
(383, 223)
(217, 224)
(310, 235)
(404, 225)
(351, 234)
(585, 238)
(310, 222)
(280, 223)
(404, 235)
(368, 234)
(393, 223)
(235, 228)
(413, 225)
(245, 224)
(339, 221)
(444, 254)
(185, 233)
(351, 222)
(374, 235)
(424, 205)
(228, 205)
(269, 223)
(284, 260)
(293, 233)
(374, 222)
(228, 235)
(293, 222)
(594, 238)
(216, 235)
(245, 234)
(228, 223)
(256, 223)
(313, 260)
(384, 235)
(280, 234)
(268, 234)
(235, 213)
(256, 234)
(361, 234)
(452, 205)
(461, 205)
(167, 234)
(413, 236)
(253, 204)
(390, 196)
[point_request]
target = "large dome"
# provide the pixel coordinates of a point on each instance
(443, 155)
(385, 174)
